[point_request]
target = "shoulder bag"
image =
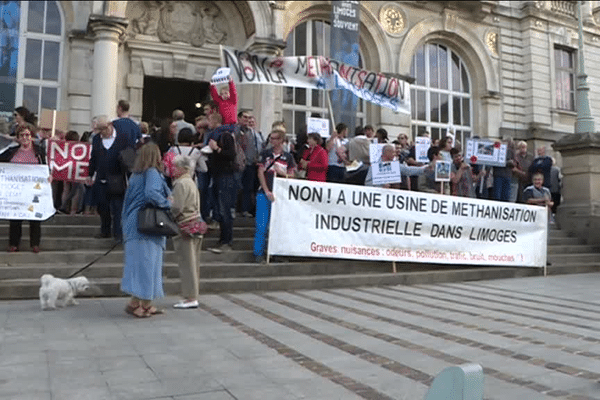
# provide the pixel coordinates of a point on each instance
(156, 221)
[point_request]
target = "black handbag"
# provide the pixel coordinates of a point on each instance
(156, 222)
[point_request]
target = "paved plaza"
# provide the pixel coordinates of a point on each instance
(536, 338)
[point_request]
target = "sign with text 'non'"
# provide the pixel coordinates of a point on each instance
(25, 192)
(317, 72)
(358, 222)
(69, 161)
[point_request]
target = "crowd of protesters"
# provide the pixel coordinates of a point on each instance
(222, 167)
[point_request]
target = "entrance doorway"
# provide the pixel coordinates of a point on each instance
(163, 95)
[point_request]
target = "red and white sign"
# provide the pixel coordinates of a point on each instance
(68, 160)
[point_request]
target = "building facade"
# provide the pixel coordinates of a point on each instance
(486, 68)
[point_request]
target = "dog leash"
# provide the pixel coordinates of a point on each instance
(91, 263)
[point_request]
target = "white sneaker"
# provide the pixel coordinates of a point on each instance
(186, 304)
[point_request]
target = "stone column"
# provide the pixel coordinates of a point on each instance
(264, 99)
(579, 212)
(108, 32)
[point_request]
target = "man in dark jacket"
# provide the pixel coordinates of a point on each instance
(222, 169)
(107, 177)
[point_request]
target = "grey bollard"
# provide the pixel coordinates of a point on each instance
(463, 382)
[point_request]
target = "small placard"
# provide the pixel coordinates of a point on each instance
(422, 145)
(221, 76)
(318, 125)
(442, 171)
(61, 122)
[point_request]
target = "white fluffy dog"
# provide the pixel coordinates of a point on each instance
(57, 292)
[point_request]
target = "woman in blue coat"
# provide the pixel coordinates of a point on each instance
(142, 274)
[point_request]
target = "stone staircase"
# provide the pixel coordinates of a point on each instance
(68, 243)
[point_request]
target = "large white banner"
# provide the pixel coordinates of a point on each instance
(358, 222)
(317, 72)
(25, 192)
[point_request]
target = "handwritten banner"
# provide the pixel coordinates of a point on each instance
(69, 161)
(317, 72)
(354, 222)
(25, 192)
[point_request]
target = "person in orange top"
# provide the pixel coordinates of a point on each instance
(227, 102)
(315, 159)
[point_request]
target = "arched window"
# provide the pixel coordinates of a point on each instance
(309, 38)
(40, 53)
(441, 93)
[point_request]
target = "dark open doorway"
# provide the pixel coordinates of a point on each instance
(163, 95)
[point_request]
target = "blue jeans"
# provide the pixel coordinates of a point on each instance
(263, 215)
(226, 188)
(248, 188)
(206, 196)
(501, 188)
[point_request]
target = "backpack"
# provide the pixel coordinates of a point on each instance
(239, 163)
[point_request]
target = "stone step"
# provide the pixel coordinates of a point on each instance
(29, 288)
(213, 271)
(94, 220)
(564, 241)
(565, 259)
(572, 249)
(79, 243)
(89, 231)
(82, 257)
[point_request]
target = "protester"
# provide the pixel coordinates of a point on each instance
(555, 186)
(222, 170)
(180, 123)
(143, 254)
(523, 161)
(382, 136)
(337, 154)
(22, 117)
(25, 153)
(359, 152)
(126, 126)
(186, 210)
(427, 182)
(273, 161)
(107, 177)
(542, 163)
(503, 175)
(538, 194)
(445, 145)
(227, 101)
(387, 155)
(315, 160)
(252, 143)
(72, 194)
(461, 176)
(402, 147)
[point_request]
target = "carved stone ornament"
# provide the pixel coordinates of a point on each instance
(491, 41)
(391, 19)
(190, 22)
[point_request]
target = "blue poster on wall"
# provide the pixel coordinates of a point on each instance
(9, 52)
(345, 25)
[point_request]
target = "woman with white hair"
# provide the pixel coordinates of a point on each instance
(188, 244)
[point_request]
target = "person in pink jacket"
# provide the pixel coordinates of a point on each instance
(227, 101)
(315, 159)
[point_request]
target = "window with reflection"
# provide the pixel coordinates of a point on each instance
(10, 13)
(39, 65)
(441, 94)
(564, 62)
(309, 38)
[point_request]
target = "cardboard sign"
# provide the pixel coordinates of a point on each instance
(318, 125)
(61, 120)
(221, 76)
(422, 145)
(386, 172)
(25, 192)
(442, 171)
(69, 161)
(486, 152)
